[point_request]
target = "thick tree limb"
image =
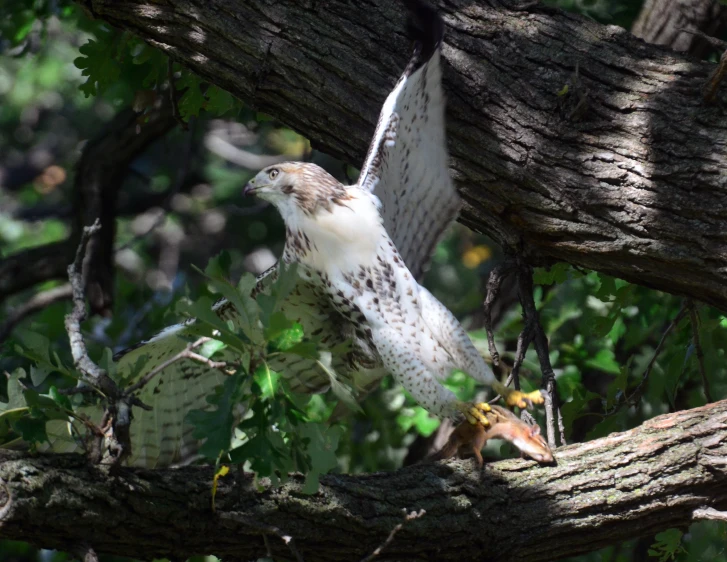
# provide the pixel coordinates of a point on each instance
(633, 185)
(662, 474)
(100, 174)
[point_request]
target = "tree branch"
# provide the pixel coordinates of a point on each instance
(100, 173)
(662, 474)
(614, 189)
(37, 302)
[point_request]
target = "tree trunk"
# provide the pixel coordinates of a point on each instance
(668, 22)
(624, 172)
(620, 487)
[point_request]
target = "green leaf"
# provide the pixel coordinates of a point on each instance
(36, 346)
(32, 429)
(619, 386)
(248, 312)
(282, 333)
(38, 374)
(572, 410)
(153, 63)
(557, 273)
(61, 400)
(98, 62)
(606, 288)
(604, 361)
(600, 326)
(267, 380)
(307, 349)
(216, 425)
(107, 362)
(322, 443)
(341, 391)
(668, 544)
(218, 266)
(209, 348)
(220, 101)
(193, 100)
(419, 418)
(15, 392)
(286, 279)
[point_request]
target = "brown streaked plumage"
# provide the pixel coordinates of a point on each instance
(361, 250)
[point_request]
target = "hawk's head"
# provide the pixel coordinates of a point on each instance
(295, 187)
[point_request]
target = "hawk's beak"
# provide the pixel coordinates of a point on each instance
(249, 189)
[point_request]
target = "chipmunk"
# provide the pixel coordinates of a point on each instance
(503, 425)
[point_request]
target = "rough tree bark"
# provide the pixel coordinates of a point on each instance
(623, 486)
(625, 173)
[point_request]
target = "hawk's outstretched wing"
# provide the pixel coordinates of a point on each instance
(160, 437)
(407, 165)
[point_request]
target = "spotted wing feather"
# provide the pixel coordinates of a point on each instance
(407, 164)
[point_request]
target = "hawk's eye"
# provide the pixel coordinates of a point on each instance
(273, 173)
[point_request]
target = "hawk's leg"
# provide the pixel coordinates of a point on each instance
(402, 358)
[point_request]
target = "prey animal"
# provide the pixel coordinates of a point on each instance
(360, 250)
(468, 437)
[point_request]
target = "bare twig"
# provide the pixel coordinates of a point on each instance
(639, 390)
(532, 332)
(713, 41)
(186, 353)
(694, 318)
(532, 324)
(523, 341)
(174, 95)
(91, 372)
(117, 417)
(36, 303)
(709, 514)
(494, 283)
(78, 390)
(407, 517)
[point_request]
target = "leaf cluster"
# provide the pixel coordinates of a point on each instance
(253, 418)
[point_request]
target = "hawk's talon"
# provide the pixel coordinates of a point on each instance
(523, 399)
(518, 398)
(475, 412)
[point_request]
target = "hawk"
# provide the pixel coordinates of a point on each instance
(360, 250)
